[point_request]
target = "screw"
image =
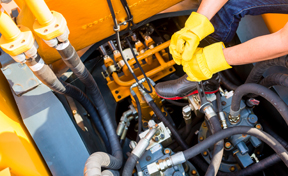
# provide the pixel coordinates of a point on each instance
(166, 151)
(201, 138)
(258, 126)
(228, 145)
(193, 172)
(46, 30)
(223, 103)
(205, 153)
(232, 168)
(156, 139)
(23, 41)
(74, 112)
(148, 158)
(162, 136)
(11, 46)
(56, 25)
(204, 124)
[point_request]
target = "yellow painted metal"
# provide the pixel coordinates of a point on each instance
(22, 43)
(275, 22)
(145, 108)
(8, 28)
(14, 40)
(17, 150)
(90, 21)
(41, 11)
(53, 29)
(5, 172)
(159, 68)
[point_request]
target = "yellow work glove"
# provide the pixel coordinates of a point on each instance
(205, 62)
(184, 42)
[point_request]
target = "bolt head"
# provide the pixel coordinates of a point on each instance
(228, 145)
(156, 139)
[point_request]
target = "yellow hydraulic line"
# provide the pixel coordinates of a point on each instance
(41, 11)
(8, 28)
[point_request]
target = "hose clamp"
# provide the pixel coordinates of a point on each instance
(209, 111)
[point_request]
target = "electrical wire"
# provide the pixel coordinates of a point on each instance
(145, 76)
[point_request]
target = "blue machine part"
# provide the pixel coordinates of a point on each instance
(157, 152)
(237, 156)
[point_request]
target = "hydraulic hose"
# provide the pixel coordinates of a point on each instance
(232, 77)
(262, 91)
(229, 85)
(45, 74)
(139, 117)
(72, 60)
(196, 160)
(263, 164)
(100, 159)
(217, 150)
(138, 152)
(280, 79)
(260, 67)
(266, 138)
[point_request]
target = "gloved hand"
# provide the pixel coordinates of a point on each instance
(205, 62)
(184, 42)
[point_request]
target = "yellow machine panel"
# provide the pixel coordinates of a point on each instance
(275, 22)
(90, 21)
(17, 150)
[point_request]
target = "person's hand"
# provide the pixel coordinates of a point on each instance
(205, 62)
(184, 42)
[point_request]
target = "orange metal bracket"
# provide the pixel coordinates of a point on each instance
(119, 85)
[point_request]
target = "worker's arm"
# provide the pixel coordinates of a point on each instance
(209, 8)
(259, 49)
(213, 58)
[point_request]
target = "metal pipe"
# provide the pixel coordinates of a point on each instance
(149, 74)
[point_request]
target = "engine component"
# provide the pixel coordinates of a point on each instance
(154, 163)
(155, 152)
(238, 148)
(119, 83)
(163, 135)
(147, 112)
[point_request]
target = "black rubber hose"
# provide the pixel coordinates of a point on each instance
(195, 160)
(79, 96)
(280, 79)
(260, 67)
(218, 101)
(173, 130)
(266, 138)
(262, 91)
(229, 85)
(139, 117)
(232, 77)
(218, 149)
(129, 165)
(48, 77)
(263, 164)
(72, 60)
